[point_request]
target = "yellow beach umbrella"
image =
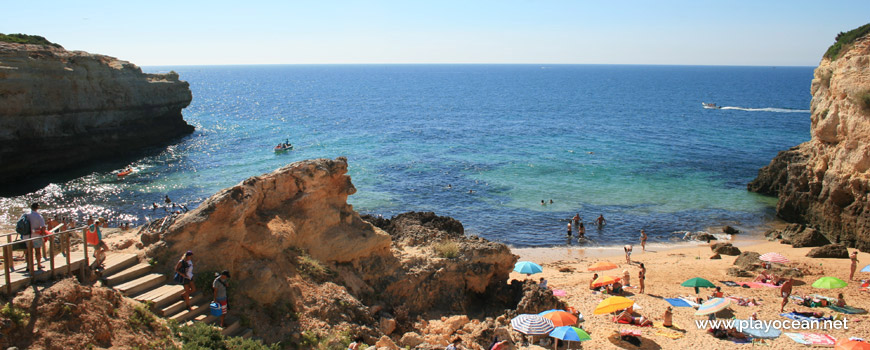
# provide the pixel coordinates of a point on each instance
(613, 304)
(604, 280)
(602, 266)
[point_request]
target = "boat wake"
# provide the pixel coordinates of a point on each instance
(769, 109)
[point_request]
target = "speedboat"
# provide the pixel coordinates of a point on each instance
(710, 105)
(283, 147)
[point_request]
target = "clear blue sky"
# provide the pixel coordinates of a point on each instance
(185, 32)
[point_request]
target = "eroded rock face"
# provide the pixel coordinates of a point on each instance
(293, 244)
(60, 108)
(824, 182)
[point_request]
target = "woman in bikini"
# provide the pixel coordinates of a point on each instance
(641, 276)
(854, 266)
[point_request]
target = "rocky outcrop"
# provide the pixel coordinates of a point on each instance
(60, 108)
(290, 238)
(836, 251)
(725, 249)
(824, 182)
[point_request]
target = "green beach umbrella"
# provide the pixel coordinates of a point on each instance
(698, 282)
(829, 283)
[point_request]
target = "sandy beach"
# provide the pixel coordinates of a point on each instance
(668, 266)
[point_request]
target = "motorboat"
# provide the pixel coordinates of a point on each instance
(710, 105)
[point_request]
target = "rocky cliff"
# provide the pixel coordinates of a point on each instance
(60, 108)
(824, 182)
(302, 259)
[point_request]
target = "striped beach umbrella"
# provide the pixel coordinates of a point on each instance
(713, 306)
(530, 324)
(829, 283)
(528, 268)
(773, 258)
(561, 318)
(602, 266)
(612, 304)
(569, 333)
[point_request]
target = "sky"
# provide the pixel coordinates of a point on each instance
(186, 32)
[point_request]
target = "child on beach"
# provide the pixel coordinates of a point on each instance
(643, 240)
(627, 249)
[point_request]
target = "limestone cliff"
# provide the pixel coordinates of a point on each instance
(60, 108)
(293, 244)
(824, 182)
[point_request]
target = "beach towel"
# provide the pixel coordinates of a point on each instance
(677, 302)
(817, 339)
(689, 301)
(730, 283)
(797, 317)
(559, 293)
(661, 325)
(669, 334)
(757, 285)
(847, 309)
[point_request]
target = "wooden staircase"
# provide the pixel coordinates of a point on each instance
(136, 280)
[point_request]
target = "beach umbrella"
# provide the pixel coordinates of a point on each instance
(604, 280)
(549, 311)
(698, 282)
(602, 266)
(569, 333)
(846, 344)
(713, 306)
(612, 304)
(528, 267)
(758, 331)
(530, 324)
(561, 318)
(829, 283)
(773, 258)
(866, 269)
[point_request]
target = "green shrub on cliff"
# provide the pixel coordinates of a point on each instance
(26, 39)
(844, 40)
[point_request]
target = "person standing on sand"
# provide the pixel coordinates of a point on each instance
(854, 266)
(641, 276)
(627, 253)
(626, 278)
(220, 292)
(642, 240)
(184, 276)
(785, 292)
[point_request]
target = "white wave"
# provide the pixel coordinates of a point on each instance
(769, 109)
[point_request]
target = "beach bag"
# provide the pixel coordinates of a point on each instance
(91, 236)
(18, 245)
(22, 227)
(215, 309)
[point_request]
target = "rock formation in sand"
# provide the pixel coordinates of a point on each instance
(824, 182)
(293, 243)
(60, 108)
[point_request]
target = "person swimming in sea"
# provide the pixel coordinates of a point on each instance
(542, 202)
(600, 221)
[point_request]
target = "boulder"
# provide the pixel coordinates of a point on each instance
(716, 257)
(411, 339)
(737, 272)
(456, 322)
(706, 237)
(773, 234)
(748, 261)
(386, 342)
(534, 299)
(725, 249)
(808, 238)
(837, 251)
(730, 230)
(387, 325)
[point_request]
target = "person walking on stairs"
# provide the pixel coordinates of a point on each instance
(220, 292)
(184, 276)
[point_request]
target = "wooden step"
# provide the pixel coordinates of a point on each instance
(244, 333)
(130, 273)
(184, 315)
(116, 262)
(141, 284)
(231, 328)
(178, 306)
(162, 296)
(204, 318)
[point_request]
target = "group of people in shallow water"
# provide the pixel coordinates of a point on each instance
(580, 227)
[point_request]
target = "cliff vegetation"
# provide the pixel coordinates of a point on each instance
(19, 38)
(844, 40)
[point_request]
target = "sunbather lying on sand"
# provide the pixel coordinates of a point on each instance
(813, 314)
(725, 333)
(744, 301)
(627, 318)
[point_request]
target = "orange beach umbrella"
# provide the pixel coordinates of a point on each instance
(602, 266)
(561, 318)
(604, 280)
(846, 344)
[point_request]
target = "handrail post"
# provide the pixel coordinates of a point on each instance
(11, 261)
(51, 255)
(7, 260)
(68, 251)
(85, 249)
(29, 255)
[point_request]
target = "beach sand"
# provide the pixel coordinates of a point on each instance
(668, 266)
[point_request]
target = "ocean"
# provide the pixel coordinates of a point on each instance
(484, 144)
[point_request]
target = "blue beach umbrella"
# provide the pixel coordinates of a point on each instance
(713, 306)
(530, 324)
(528, 267)
(866, 269)
(570, 333)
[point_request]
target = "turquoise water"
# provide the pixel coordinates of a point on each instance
(629, 142)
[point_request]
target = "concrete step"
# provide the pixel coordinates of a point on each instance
(162, 295)
(140, 284)
(128, 274)
(116, 262)
(184, 315)
(231, 328)
(178, 306)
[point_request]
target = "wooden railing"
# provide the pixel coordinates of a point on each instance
(65, 248)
